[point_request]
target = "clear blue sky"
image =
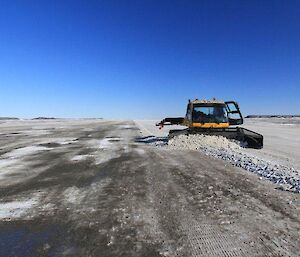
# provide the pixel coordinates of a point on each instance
(145, 58)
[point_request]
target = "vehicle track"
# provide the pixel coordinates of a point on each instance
(199, 238)
(201, 230)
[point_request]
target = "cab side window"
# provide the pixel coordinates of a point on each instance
(233, 113)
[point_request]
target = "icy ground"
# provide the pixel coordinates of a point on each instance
(277, 162)
(89, 187)
(219, 147)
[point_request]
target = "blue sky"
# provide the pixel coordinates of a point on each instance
(146, 58)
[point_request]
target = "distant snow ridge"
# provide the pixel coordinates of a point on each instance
(222, 148)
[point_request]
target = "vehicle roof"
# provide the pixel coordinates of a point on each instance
(213, 101)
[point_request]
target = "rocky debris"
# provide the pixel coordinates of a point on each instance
(219, 147)
(195, 142)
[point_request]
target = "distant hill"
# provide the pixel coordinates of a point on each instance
(53, 118)
(8, 118)
(272, 116)
(44, 118)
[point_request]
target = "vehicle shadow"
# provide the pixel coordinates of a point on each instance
(152, 140)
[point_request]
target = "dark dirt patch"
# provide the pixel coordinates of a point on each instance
(50, 145)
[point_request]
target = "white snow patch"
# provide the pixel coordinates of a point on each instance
(127, 126)
(11, 167)
(288, 124)
(140, 151)
(5, 163)
(17, 209)
(105, 143)
(15, 170)
(35, 132)
(101, 157)
(25, 151)
(105, 149)
(81, 157)
(73, 195)
(108, 142)
(66, 142)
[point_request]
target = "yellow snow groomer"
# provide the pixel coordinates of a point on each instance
(212, 117)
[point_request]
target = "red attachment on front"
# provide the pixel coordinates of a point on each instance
(160, 124)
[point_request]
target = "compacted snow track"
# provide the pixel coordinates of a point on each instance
(100, 188)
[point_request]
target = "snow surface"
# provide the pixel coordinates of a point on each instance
(81, 157)
(24, 151)
(105, 143)
(17, 209)
(278, 161)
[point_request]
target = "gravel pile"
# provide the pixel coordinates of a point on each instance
(219, 147)
(195, 142)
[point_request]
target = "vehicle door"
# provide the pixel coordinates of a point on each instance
(233, 112)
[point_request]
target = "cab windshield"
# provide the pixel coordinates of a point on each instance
(210, 114)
